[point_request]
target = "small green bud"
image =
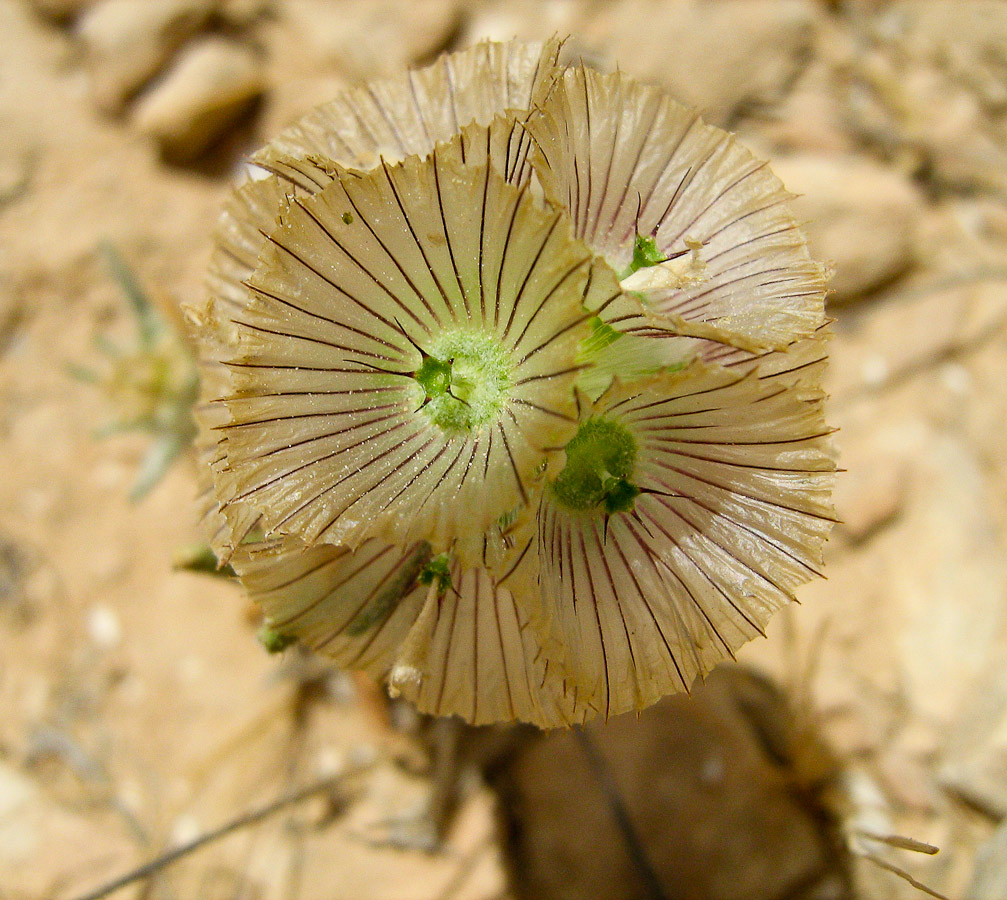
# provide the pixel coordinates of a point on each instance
(273, 640)
(437, 571)
(599, 465)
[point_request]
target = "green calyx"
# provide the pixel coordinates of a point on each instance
(602, 335)
(645, 255)
(599, 465)
(437, 572)
(466, 380)
(274, 641)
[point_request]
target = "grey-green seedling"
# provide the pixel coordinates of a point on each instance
(151, 382)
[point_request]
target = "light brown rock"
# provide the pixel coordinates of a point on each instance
(716, 785)
(503, 20)
(60, 9)
(127, 42)
(715, 56)
(860, 217)
(869, 495)
(971, 45)
(989, 880)
(976, 761)
(209, 86)
(242, 13)
(364, 39)
(945, 581)
(291, 98)
(931, 89)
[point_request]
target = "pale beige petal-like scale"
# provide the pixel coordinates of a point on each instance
(409, 114)
(353, 131)
(804, 360)
(327, 445)
(249, 210)
(473, 654)
(355, 607)
(222, 533)
(633, 356)
(736, 477)
(626, 160)
(480, 83)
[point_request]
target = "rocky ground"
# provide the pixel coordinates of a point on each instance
(138, 709)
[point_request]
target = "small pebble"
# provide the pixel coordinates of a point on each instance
(104, 627)
(210, 85)
(861, 217)
(127, 42)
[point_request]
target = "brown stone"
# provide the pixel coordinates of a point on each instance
(714, 56)
(861, 218)
(207, 88)
(127, 42)
(712, 785)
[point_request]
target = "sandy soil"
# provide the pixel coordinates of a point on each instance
(139, 711)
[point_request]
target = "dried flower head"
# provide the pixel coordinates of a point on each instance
(512, 389)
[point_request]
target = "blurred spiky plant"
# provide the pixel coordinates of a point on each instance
(150, 381)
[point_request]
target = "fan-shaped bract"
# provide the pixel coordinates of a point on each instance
(387, 120)
(371, 291)
(355, 606)
(410, 114)
(652, 577)
(473, 653)
(628, 162)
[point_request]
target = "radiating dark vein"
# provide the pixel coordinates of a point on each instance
(546, 298)
(311, 340)
(614, 594)
(275, 241)
(513, 464)
(290, 304)
(600, 205)
(734, 490)
(345, 449)
(758, 535)
(364, 565)
(411, 78)
(419, 246)
(295, 417)
(642, 595)
(658, 565)
(321, 437)
(517, 401)
(504, 251)
(705, 575)
(366, 270)
(419, 294)
(524, 282)
(363, 493)
(529, 378)
(447, 237)
(631, 180)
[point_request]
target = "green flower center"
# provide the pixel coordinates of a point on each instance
(645, 255)
(466, 380)
(599, 465)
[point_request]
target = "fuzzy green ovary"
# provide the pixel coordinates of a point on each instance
(645, 255)
(599, 467)
(466, 381)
